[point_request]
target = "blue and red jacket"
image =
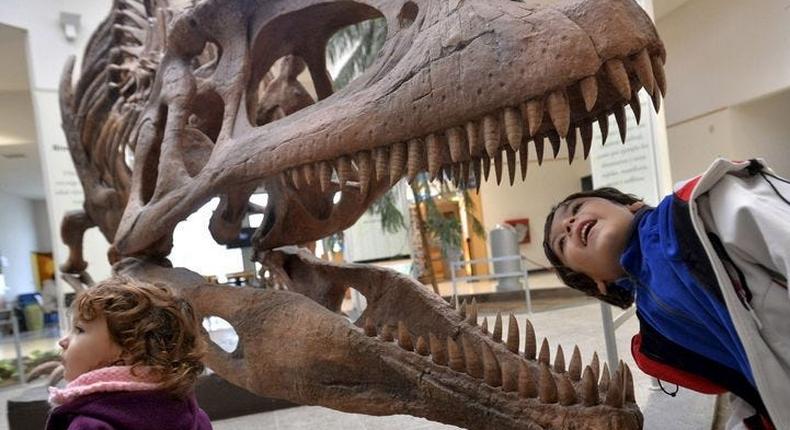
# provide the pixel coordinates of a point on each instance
(686, 334)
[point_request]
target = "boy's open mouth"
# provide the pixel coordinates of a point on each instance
(585, 229)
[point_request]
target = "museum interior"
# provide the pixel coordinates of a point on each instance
(236, 149)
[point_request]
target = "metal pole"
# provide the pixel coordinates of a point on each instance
(609, 337)
(527, 293)
(18, 347)
(455, 288)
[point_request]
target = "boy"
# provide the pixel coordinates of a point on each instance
(708, 271)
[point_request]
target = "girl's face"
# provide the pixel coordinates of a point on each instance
(588, 235)
(88, 347)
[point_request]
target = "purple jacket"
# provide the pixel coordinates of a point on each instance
(129, 410)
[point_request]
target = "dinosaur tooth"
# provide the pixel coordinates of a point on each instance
(492, 373)
(364, 167)
(644, 70)
(603, 383)
(459, 151)
(472, 313)
(397, 162)
(539, 148)
(473, 137)
(370, 328)
(658, 74)
(386, 333)
(456, 357)
(543, 355)
(486, 163)
(589, 89)
(523, 159)
(547, 386)
(465, 173)
(309, 174)
(614, 393)
(571, 141)
(565, 391)
(629, 385)
(554, 140)
(325, 175)
(527, 388)
(416, 161)
(513, 335)
(343, 170)
(484, 326)
(509, 377)
(497, 333)
(434, 147)
(636, 107)
(491, 135)
(656, 101)
(586, 132)
(404, 337)
(296, 177)
(462, 309)
(382, 157)
(477, 167)
(559, 111)
(618, 76)
(533, 110)
(622, 125)
(474, 367)
(498, 166)
(559, 360)
(575, 366)
(595, 365)
(438, 351)
(530, 344)
(511, 165)
(603, 124)
(589, 388)
(422, 347)
(514, 127)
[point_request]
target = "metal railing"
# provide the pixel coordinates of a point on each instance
(522, 273)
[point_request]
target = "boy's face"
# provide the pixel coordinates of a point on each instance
(88, 347)
(588, 235)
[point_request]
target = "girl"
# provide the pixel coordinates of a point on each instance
(131, 361)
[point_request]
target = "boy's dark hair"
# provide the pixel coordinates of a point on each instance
(615, 295)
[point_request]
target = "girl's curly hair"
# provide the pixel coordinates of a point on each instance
(579, 281)
(155, 329)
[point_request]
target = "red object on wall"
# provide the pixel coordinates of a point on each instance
(522, 228)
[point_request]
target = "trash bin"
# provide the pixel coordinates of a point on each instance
(504, 243)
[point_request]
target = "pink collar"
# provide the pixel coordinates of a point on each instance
(106, 379)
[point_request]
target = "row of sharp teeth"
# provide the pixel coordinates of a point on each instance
(465, 358)
(459, 151)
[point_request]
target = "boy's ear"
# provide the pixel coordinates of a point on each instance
(601, 286)
(633, 207)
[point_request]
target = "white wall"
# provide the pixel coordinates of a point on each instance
(41, 223)
(48, 50)
(17, 241)
(16, 113)
(756, 129)
(533, 198)
(723, 53)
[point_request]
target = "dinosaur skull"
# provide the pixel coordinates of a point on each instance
(459, 86)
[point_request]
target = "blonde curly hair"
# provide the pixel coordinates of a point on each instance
(155, 329)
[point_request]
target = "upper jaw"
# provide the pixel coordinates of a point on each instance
(453, 92)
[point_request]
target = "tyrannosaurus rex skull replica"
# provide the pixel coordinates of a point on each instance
(169, 112)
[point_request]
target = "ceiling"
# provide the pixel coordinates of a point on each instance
(20, 166)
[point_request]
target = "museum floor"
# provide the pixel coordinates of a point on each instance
(569, 319)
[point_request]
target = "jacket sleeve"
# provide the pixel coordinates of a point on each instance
(752, 219)
(88, 423)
